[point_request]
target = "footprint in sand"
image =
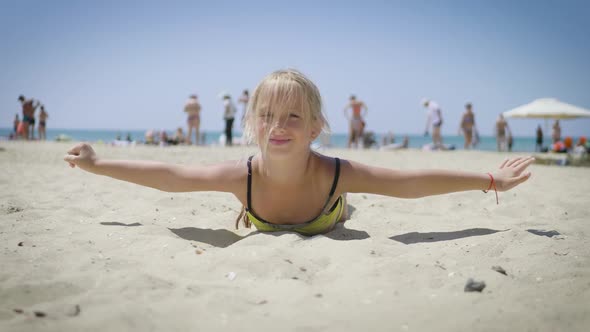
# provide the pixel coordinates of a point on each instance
(12, 209)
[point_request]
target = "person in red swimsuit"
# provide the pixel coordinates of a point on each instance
(356, 120)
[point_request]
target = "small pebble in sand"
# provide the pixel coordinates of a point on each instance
(499, 269)
(18, 311)
(20, 244)
(39, 314)
(474, 286)
(73, 311)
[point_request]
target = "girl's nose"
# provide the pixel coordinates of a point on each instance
(277, 130)
(280, 123)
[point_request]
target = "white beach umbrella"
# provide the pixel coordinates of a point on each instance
(547, 108)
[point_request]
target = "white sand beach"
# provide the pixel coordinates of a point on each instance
(81, 252)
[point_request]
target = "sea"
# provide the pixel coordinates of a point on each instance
(337, 140)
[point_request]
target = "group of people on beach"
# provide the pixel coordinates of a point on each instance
(25, 128)
(467, 127)
(192, 108)
(561, 145)
(355, 112)
(434, 121)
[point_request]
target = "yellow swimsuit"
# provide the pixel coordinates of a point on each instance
(321, 224)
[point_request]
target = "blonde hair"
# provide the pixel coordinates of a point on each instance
(282, 90)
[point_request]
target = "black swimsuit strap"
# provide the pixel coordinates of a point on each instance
(249, 183)
(334, 183)
(336, 176)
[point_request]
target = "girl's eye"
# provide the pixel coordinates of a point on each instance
(293, 115)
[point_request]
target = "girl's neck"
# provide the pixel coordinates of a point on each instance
(286, 171)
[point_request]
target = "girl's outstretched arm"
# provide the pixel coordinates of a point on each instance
(158, 175)
(414, 184)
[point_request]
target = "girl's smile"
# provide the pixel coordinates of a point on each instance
(278, 141)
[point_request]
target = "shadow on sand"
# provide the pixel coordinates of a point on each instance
(416, 237)
(114, 223)
(221, 238)
(540, 232)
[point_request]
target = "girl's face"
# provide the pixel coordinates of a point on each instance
(284, 130)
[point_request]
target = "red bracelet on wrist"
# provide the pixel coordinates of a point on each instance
(492, 184)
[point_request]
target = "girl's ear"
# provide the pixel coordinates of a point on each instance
(316, 129)
(314, 135)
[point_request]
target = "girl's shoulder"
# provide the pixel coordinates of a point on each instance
(328, 167)
(234, 173)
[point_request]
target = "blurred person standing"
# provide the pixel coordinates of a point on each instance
(539, 139)
(15, 126)
(356, 120)
(41, 128)
(468, 126)
(243, 100)
(29, 106)
(556, 134)
(502, 130)
(193, 110)
(435, 119)
(229, 113)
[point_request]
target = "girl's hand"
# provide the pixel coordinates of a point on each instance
(511, 173)
(81, 155)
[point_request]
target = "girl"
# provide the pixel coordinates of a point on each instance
(288, 186)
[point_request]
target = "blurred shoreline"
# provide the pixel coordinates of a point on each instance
(336, 140)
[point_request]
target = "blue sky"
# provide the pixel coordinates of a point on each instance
(132, 64)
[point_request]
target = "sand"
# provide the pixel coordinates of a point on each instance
(82, 252)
